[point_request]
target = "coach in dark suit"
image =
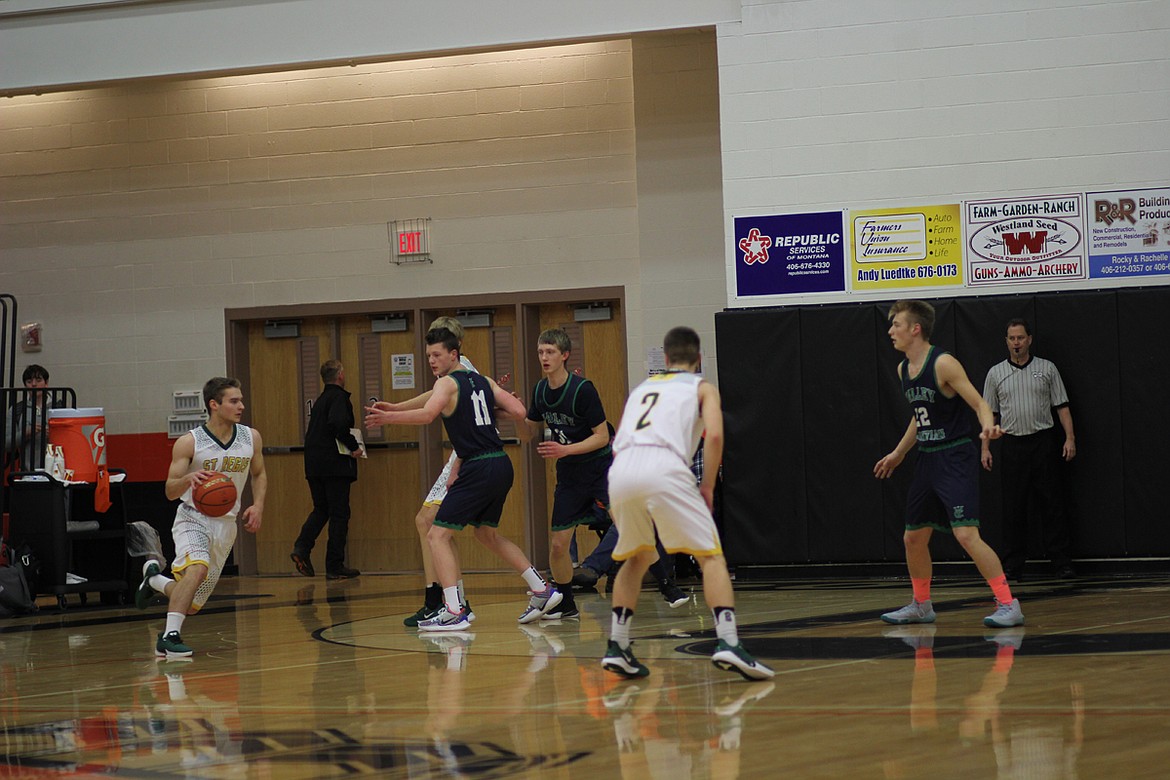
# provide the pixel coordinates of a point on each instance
(330, 474)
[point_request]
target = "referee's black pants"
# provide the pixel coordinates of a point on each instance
(1029, 465)
(330, 505)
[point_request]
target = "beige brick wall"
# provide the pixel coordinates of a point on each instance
(132, 216)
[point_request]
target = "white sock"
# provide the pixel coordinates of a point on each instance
(725, 625)
(619, 627)
(174, 622)
(159, 582)
(451, 597)
(462, 593)
(536, 583)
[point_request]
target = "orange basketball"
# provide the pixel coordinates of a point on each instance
(216, 496)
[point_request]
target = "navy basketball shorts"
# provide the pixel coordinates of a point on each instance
(580, 487)
(944, 493)
(477, 497)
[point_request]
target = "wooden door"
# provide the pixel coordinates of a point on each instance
(284, 376)
(386, 496)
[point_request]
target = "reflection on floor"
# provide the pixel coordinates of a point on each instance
(295, 678)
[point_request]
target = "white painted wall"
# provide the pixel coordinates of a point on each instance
(827, 104)
(92, 41)
(116, 202)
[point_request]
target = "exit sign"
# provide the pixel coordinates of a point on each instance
(410, 240)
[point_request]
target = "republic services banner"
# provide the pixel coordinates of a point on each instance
(784, 254)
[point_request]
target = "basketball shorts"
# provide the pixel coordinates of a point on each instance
(202, 539)
(651, 488)
(944, 493)
(439, 489)
(477, 497)
(581, 486)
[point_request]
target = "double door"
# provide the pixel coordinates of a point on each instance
(282, 380)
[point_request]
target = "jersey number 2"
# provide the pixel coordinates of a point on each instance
(648, 401)
(923, 417)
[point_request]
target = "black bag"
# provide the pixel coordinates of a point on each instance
(15, 597)
(29, 564)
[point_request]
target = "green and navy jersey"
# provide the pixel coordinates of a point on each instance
(941, 421)
(571, 412)
(471, 427)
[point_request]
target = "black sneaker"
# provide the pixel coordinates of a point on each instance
(344, 573)
(585, 578)
(171, 646)
(424, 613)
(672, 594)
(145, 593)
(562, 613)
(623, 662)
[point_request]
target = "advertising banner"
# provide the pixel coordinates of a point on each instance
(1130, 233)
(783, 254)
(906, 247)
(1033, 239)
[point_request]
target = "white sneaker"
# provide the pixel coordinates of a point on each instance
(914, 612)
(445, 620)
(1005, 615)
(540, 603)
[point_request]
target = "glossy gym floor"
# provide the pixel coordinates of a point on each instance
(303, 678)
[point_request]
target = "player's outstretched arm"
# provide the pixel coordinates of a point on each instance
(254, 514)
(437, 400)
(418, 402)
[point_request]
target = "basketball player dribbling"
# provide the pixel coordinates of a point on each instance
(202, 544)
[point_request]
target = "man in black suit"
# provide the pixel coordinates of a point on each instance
(330, 473)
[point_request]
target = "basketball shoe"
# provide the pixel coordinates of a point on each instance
(914, 612)
(145, 593)
(734, 658)
(623, 662)
(1005, 615)
(672, 594)
(540, 604)
(445, 620)
(171, 646)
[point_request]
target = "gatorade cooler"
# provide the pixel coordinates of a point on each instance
(81, 435)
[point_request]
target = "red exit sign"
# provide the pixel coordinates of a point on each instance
(410, 240)
(410, 243)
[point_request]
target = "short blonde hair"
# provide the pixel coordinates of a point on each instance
(451, 324)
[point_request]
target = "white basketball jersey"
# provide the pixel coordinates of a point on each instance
(233, 459)
(663, 411)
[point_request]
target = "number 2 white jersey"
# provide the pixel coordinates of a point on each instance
(233, 459)
(663, 412)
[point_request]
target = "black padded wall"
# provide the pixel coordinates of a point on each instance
(812, 402)
(768, 489)
(1138, 414)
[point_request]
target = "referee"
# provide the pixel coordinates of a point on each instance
(1022, 391)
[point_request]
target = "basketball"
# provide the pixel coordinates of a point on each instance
(216, 496)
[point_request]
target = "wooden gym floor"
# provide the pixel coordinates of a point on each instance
(298, 678)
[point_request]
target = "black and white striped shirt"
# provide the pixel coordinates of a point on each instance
(1024, 396)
